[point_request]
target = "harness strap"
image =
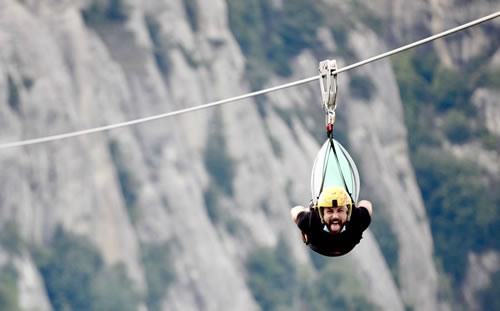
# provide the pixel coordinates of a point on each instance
(324, 174)
(342, 175)
(340, 170)
(332, 147)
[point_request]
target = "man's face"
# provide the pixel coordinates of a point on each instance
(335, 218)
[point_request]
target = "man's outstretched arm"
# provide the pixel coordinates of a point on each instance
(295, 211)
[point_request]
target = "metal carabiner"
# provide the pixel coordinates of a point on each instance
(327, 70)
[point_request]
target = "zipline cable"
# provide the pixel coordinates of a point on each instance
(151, 118)
(420, 42)
(248, 95)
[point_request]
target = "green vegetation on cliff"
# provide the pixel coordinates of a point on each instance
(279, 283)
(460, 199)
(157, 260)
(76, 277)
(269, 36)
(8, 288)
(105, 11)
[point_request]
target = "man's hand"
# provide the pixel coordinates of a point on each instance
(295, 211)
(366, 204)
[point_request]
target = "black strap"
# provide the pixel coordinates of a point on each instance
(340, 169)
(332, 146)
(324, 174)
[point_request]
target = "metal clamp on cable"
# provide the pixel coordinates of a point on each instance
(329, 87)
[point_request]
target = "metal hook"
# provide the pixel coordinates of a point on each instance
(327, 69)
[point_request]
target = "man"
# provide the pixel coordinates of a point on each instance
(334, 227)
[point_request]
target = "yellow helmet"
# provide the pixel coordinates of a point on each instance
(334, 197)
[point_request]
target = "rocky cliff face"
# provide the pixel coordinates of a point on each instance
(59, 74)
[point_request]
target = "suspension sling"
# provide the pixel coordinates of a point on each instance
(345, 174)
